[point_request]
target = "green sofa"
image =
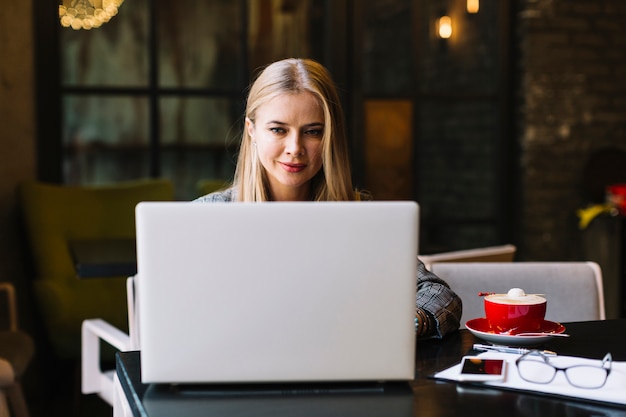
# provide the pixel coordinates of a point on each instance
(55, 214)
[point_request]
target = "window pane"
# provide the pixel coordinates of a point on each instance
(105, 139)
(456, 162)
(388, 49)
(200, 43)
(199, 138)
(200, 121)
(113, 55)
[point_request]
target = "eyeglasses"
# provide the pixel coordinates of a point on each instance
(535, 367)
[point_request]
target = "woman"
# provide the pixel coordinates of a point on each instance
(294, 148)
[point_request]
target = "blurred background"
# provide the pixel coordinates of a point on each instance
(502, 118)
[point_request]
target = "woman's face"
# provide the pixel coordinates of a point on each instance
(287, 134)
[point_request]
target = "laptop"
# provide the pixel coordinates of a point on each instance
(276, 292)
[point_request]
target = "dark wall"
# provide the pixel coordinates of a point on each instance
(17, 139)
(572, 86)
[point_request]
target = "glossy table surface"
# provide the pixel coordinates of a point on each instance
(426, 396)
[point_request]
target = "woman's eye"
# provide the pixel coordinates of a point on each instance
(277, 130)
(314, 132)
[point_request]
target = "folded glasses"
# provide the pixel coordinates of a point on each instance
(535, 367)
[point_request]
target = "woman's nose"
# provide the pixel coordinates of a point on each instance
(294, 146)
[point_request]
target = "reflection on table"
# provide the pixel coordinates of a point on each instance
(161, 401)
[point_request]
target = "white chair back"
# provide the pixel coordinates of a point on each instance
(573, 289)
(502, 253)
(95, 380)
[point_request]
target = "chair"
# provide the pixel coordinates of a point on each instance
(16, 352)
(573, 289)
(503, 253)
(95, 380)
(56, 214)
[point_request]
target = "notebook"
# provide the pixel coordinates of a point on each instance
(276, 292)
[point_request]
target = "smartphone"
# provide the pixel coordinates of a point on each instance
(482, 369)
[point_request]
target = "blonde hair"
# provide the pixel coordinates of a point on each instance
(333, 182)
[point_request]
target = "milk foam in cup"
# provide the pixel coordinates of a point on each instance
(515, 311)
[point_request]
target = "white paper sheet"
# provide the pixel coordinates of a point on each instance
(614, 391)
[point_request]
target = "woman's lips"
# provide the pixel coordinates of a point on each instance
(290, 167)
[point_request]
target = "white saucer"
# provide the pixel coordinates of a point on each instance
(481, 328)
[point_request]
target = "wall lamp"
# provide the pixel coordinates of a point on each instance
(473, 6)
(444, 27)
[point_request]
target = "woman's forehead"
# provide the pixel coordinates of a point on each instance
(286, 106)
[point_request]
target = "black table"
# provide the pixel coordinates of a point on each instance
(426, 396)
(96, 258)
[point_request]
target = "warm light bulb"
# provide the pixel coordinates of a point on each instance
(445, 27)
(473, 6)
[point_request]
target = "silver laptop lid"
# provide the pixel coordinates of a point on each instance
(244, 292)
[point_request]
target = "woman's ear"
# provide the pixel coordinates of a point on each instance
(250, 128)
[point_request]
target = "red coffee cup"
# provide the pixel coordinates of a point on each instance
(515, 311)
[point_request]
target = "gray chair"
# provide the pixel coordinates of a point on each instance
(502, 253)
(573, 289)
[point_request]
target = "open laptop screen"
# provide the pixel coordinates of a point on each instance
(248, 292)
